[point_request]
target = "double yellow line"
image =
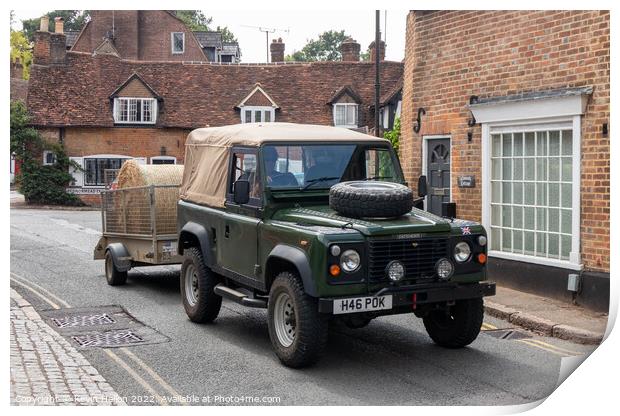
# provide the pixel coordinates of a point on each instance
(56, 302)
(538, 343)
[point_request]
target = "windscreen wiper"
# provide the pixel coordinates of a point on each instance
(318, 180)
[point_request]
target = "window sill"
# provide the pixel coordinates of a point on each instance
(562, 264)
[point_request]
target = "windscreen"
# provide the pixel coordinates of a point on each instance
(321, 166)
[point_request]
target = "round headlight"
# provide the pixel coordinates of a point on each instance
(482, 240)
(395, 270)
(462, 252)
(350, 261)
(335, 250)
(444, 269)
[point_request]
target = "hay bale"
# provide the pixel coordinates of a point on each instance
(136, 201)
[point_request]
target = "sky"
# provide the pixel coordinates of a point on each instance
(295, 27)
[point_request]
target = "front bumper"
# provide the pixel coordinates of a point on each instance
(425, 293)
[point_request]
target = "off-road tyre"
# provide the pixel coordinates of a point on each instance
(457, 327)
(113, 276)
(370, 199)
(203, 305)
(311, 328)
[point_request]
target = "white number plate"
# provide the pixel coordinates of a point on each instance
(367, 304)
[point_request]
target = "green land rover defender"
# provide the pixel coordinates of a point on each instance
(317, 224)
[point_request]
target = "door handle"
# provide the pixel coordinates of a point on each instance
(227, 231)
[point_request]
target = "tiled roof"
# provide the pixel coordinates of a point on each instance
(72, 36)
(209, 39)
(196, 94)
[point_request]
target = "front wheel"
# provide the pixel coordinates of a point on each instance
(457, 326)
(197, 282)
(297, 330)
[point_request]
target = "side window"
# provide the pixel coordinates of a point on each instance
(379, 165)
(244, 166)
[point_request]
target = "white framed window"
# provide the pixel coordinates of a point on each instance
(129, 110)
(346, 115)
(163, 160)
(531, 177)
(258, 114)
(177, 40)
(49, 158)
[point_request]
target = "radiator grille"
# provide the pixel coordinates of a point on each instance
(418, 255)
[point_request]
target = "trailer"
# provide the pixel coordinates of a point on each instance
(139, 229)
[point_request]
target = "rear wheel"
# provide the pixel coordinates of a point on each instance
(297, 330)
(197, 282)
(113, 276)
(457, 326)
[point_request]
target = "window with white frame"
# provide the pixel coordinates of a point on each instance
(531, 191)
(49, 158)
(99, 171)
(178, 42)
(135, 110)
(163, 160)
(258, 114)
(345, 115)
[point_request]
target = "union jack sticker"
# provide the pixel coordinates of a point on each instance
(466, 230)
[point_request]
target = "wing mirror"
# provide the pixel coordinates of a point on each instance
(422, 186)
(241, 192)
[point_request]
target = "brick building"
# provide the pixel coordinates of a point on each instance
(109, 99)
(507, 114)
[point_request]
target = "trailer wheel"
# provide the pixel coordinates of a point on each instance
(113, 276)
(197, 282)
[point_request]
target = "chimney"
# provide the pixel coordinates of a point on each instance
(58, 43)
(59, 25)
(381, 51)
(45, 24)
(277, 50)
(41, 53)
(350, 50)
(17, 69)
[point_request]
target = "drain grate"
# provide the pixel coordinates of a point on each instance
(83, 320)
(108, 339)
(507, 334)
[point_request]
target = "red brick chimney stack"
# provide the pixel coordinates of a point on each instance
(350, 50)
(277, 50)
(58, 42)
(41, 53)
(373, 51)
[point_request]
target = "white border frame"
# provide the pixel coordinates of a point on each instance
(574, 262)
(254, 108)
(45, 153)
(425, 163)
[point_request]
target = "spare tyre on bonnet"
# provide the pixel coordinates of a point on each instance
(364, 199)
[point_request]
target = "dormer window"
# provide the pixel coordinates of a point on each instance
(135, 110)
(178, 42)
(345, 115)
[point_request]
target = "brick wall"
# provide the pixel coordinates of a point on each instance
(452, 55)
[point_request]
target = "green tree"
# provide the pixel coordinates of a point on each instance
(20, 48)
(40, 184)
(394, 135)
(74, 20)
(194, 19)
(227, 35)
(325, 48)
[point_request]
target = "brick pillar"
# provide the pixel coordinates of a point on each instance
(381, 51)
(350, 50)
(277, 50)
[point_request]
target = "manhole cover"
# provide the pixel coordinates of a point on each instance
(107, 339)
(83, 320)
(507, 334)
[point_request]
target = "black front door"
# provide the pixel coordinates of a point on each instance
(438, 174)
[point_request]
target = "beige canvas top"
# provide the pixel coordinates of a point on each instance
(206, 152)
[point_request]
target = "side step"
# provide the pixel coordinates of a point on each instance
(239, 297)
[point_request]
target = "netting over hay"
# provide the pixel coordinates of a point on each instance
(133, 206)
